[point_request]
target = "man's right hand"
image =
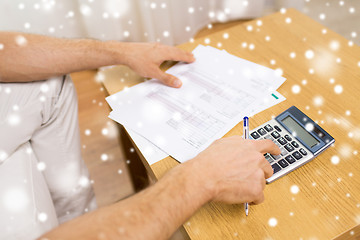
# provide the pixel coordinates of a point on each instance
(235, 170)
(231, 170)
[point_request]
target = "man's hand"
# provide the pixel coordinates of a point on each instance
(42, 57)
(231, 170)
(145, 59)
(235, 170)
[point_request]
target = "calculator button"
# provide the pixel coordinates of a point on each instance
(268, 128)
(277, 144)
(283, 152)
(275, 134)
(290, 159)
(269, 158)
(295, 144)
(268, 137)
(277, 128)
(296, 155)
(283, 163)
(255, 135)
(282, 141)
(303, 152)
(289, 147)
(261, 131)
(276, 157)
(287, 137)
(276, 167)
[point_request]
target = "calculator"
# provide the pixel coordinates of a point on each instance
(299, 138)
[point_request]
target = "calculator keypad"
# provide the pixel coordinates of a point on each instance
(291, 150)
(303, 152)
(295, 144)
(261, 131)
(297, 155)
(276, 167)
(275, 134)
(255, 135)
(290, 159)
(287, 137)
(283, 163)
(277, 128)
(282, 141)
(268, 128)
(289, 147)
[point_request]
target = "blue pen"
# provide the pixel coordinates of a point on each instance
(246, 136)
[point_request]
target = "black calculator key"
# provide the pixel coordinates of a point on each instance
(275, 134)
(283, 163)
(290, 159)
(261, 131)
(289, 147)
(295, 144)
(277, 128)
(268, 128)
(297, 155)
(303, 152)
(287, 137)
(276, 167)
(255, 135)
(282, 141)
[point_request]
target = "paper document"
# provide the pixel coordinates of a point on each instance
(151, 152)
(218, 90)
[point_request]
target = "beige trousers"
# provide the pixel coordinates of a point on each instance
(43, 179)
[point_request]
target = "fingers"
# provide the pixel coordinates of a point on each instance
(176, 54)
(167, 79)
(160, 53)
(260, 163)
(267, 146)
(268, 171)
(264, 165)
(259, 200)
(257, 187)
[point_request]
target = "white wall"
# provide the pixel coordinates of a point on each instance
(167, 21)
(44, 17)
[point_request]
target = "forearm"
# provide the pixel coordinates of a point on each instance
(42, 57)
(231, 170)
(154, 213)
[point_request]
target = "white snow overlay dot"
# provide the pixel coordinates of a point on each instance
(296, 89)
(309, 54)
(104, 157)
(42, 217)
(338, 89)
(272, 222)
(335, 160)
(294, 189)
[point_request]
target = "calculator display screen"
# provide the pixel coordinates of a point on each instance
(299, 131)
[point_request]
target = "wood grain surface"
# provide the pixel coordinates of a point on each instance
(328, 201)
(327, 204)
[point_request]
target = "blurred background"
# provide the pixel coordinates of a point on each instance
(167, 21)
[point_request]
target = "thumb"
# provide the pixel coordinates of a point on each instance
(168, 79)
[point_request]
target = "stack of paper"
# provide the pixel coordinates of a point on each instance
(218, 90)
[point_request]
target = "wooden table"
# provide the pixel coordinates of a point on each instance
(326, 86)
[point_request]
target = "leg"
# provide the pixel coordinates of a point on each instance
(56, 143)
(27, 210)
